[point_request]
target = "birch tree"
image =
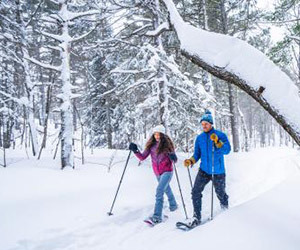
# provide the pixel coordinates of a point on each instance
(64, 41)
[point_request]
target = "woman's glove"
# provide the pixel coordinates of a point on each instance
(173, 157)
(133, 147)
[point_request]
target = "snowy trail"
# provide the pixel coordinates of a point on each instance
(51, 209)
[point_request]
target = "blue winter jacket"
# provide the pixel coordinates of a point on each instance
(203, 149)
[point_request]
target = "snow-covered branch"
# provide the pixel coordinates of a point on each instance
(34, 13)
(127, 71)
(74, 15)
(280, 22)
(11, 55)
(183, 91)
(75, 39)
(137, 84)
(239, 63)
(58, 48)
(297, 38)
(160, 29)
(53, 36)
(140, 29)
(21, 101)
(55, 1)
(44, 65)
(108, 92)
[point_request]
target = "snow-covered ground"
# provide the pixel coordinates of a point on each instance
(44, 208)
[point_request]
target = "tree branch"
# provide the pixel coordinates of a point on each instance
(43, 65)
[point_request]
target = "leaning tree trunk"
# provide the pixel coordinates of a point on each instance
(255, 94)
(231, 77)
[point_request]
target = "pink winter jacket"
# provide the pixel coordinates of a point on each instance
(160, 162)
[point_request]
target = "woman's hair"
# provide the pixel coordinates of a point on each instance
(165, 145)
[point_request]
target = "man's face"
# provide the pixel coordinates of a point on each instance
(206, 126)
(157, 136)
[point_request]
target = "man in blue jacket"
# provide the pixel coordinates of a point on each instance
(210, 147)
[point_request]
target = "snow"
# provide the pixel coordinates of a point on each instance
(240, 58)
(295, 38)
(43, 65)
(5, 111)
(74, 15)
(43, 207)
(159, 29)
(49, 19)
(55, 37)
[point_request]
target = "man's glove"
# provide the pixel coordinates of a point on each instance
(189, 162)
(216, 140)
(133, 147)
(173, 157)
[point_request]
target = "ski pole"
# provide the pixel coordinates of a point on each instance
(190, 177)
(112, 206)
(212, 184)
(188, 169)
(183, 204)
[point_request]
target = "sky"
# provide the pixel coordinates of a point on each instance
(265, 4)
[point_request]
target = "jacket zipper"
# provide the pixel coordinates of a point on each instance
(207, 141)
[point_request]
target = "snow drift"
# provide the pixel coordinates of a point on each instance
(45, 208)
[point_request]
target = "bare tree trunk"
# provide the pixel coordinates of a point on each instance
(245, 130)
(163, 84)
(108, 126)
(250, 125)
(82, 134)
(233, 119)
(47, 113)
(56, 147)
(1, 131)
(4, 157)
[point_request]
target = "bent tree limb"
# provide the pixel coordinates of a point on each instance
(255, 94)
(286, 119)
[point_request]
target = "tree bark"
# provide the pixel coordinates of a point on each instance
(233, 119)
(67, 126)
(108, 126)
(163, 83)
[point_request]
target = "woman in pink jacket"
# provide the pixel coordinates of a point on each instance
(161, 149)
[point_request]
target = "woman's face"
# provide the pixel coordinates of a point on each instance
(157, 136)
